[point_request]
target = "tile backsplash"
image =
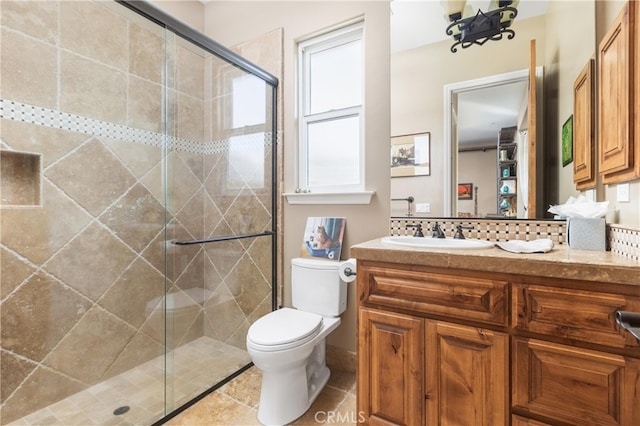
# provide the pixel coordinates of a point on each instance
(623, 241)
(484, 229)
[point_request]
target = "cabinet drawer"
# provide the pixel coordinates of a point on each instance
(576, 386)
(573, 314)
(456, 296)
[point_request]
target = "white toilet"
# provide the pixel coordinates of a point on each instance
(288, 345)
(171, 318)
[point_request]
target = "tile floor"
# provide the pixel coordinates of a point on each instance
(236, 403)
(198, 365)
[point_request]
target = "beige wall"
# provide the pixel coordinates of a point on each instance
(472, 168)
(299, 20)
(190, 12)
(568, 49)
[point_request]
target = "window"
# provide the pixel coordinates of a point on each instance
(331, 139)
(245, 123)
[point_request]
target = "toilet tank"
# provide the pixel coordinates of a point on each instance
(316, 287)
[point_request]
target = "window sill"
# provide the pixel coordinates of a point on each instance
(361, 197)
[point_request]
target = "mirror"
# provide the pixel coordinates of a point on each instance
(487, 123)
(421, 70)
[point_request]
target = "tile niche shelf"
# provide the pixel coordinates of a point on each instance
(20, 183)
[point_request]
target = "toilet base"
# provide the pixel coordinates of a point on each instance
(304, 381)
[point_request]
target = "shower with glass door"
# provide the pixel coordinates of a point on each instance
(138, 212)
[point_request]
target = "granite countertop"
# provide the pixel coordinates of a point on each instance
(560, 262)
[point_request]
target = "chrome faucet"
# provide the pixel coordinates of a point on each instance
(437, 231)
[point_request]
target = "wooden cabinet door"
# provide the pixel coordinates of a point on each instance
(615, 116)
(583, 129)
(467, 375)
(574, 386)
(390, 368)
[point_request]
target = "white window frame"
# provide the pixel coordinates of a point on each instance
(334, 38)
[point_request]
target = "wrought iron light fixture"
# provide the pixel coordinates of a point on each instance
(483, 26)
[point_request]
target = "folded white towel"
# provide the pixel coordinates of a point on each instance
(542, 245)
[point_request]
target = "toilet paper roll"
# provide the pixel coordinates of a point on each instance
(347, 270)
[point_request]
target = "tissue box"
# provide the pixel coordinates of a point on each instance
(587, 233)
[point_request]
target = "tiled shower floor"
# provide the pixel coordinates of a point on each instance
(198, 365)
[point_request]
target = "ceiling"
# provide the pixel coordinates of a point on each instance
(481, 112)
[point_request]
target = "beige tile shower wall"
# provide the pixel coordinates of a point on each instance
(82, 269)
(88, 267)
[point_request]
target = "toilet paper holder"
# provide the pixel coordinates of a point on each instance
(349, 272)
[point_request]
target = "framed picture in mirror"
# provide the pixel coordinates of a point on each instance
(411, 155)
(567, 141)
(465, 191)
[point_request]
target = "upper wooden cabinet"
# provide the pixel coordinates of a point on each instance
(583, 129)
(619, 153)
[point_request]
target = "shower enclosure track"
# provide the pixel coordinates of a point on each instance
(227, 238)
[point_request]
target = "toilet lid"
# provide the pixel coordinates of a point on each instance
(284, 326)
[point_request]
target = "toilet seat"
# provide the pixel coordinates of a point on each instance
(284, 329)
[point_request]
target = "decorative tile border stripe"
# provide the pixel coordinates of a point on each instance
(625, 242)
(485, 229)
(40, 116)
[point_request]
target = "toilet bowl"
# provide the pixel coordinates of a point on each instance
(174, 316)
(288, 345)
(294, 370)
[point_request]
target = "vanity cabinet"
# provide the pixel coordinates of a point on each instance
(417, 364)
(440, 346)
(619, 96)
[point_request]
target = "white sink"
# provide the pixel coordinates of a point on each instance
(443, 243)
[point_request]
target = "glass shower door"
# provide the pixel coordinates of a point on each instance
(219, 198)
(137, 214)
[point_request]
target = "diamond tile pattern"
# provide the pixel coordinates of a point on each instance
(75, 177)
(84, 276)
